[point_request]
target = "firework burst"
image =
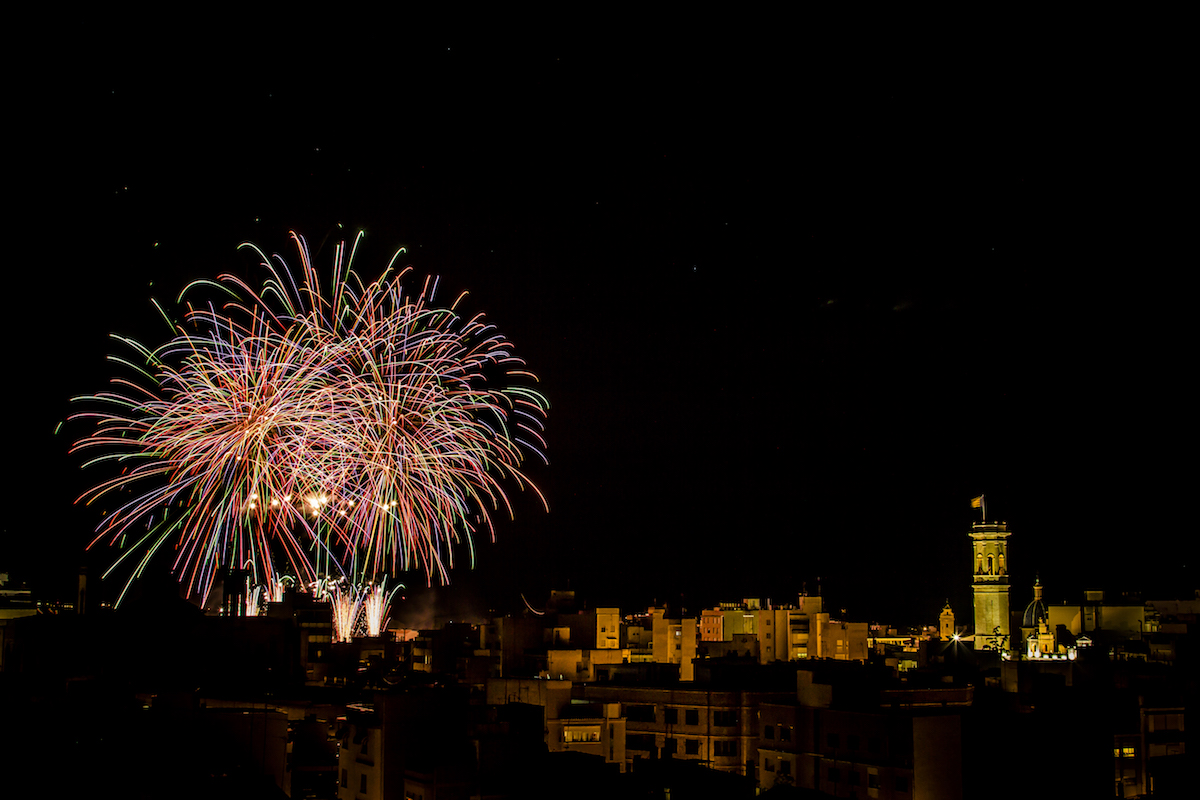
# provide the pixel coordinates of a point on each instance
(376, 602)
(350, 428)
(347, 603)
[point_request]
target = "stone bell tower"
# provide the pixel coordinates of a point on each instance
(989, 543)
(946, 622)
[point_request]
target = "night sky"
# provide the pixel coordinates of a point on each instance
(792, 305)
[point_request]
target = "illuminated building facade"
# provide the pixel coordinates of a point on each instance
(1118, 620)
(674, 641)
(780, 633)
(989, 545)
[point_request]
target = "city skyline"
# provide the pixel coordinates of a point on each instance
(773, 352)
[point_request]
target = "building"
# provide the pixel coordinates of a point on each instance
(989, 544)
(1125, 620)
(593, 728)
(674, 641)
(847, 734)
(946, 629)
(778, 633)
(715, 727)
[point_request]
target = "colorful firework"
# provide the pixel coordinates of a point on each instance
(376, 602)
(254, 600)
(276, 588)
(355, 431)
(346, 601)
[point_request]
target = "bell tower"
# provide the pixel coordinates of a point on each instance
(989, 554)
(946, 622)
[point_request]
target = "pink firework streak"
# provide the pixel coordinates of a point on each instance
(354, 429)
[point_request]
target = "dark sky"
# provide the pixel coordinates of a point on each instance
(793, 303)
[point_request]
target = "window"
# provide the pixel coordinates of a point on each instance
(785, 767)
(691, 716)
(768, 731)
(768, 764)
(725, 718)
(639, 741)
(671, 716)
(852, 741)
(725, 748)
(852, 778)
(873, 744)
(345, 780)
(1166, 722)
(831, 740)
(691, 746)
(785, 733)
(901, 783)
(1127, 752)
(362, 783)
(670, 747)
(636, 713)
(872, 780)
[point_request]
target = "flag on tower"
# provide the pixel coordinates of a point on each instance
(977, 502)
